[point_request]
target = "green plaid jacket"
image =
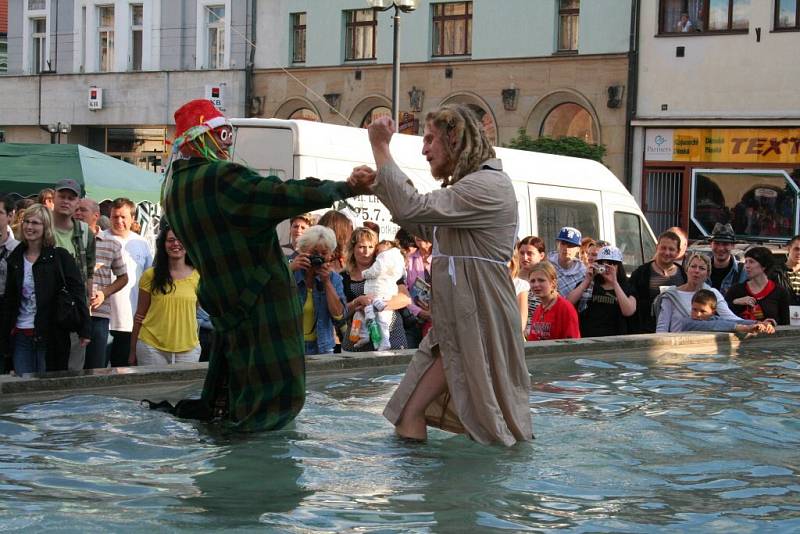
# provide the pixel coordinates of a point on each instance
(225, 215)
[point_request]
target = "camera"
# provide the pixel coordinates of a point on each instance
(599, 268)
(316, 260)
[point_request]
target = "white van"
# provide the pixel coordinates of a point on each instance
(553, 191)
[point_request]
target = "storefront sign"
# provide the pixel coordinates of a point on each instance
(730, 145)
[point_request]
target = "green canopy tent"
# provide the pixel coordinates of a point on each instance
(27, 168)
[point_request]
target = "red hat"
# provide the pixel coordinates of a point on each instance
(200, 112)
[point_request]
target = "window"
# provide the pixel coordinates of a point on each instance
(787, 14)
(105, 31)
(298, 37)
(568, 14)
(215, 22)
(3, 54)
(633, 240)
(137, 12)
(757, 203)
(552, 214)
(39, 49)
(34, 5)
(452, 29)
(684, 16)
(360, 26)
(569, 120)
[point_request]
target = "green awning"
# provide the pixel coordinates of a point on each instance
(27, 168)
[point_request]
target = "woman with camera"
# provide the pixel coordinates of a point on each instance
(361, 256)
(609, 302)
(320, 289)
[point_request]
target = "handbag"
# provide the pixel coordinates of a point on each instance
(68, 315)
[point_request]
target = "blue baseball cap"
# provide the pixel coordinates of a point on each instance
(571, 236)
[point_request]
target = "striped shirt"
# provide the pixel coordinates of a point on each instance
(109, 265)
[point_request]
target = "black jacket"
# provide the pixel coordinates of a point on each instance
(47, 283)
(643, 321)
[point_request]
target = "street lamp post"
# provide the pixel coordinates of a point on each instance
(56, 129)
(399, 5)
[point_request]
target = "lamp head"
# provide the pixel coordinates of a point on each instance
(404, 5)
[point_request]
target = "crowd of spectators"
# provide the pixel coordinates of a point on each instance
(139, 306)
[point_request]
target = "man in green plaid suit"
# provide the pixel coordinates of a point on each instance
(225, 215)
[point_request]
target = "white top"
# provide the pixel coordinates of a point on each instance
(138, 257)
(521, 286)
(380, 279)
(27, 307)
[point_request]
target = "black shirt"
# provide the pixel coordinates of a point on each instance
(718, 274)
(602, 316)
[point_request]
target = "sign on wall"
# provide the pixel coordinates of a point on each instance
(95, 98)
(724, 145)
(216, 93)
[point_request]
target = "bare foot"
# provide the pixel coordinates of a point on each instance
(412, 428)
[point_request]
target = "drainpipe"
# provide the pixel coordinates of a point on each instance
(55, 58)
(249, 78)
(633, 90)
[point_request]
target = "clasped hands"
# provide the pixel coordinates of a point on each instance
(380, 134)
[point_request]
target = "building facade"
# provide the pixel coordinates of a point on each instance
(109, 74)
(551, 67)
(717, 120)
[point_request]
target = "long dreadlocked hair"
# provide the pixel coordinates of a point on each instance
(472, 147)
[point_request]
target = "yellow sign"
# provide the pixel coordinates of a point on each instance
(737, 145)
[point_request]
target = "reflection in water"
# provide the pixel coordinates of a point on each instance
(693, 443)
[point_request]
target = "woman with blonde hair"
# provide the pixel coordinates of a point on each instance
(674, 305)
(360, 257)
(555, 318)
(37, 270)
(521, 287)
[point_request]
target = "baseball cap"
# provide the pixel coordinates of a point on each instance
(570, 235)
(69, 184)
(609, 253)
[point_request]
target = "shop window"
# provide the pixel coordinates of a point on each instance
(375, 113)
(787, 14)
(105, 32)
(552, 214)
(452, 29)
(215, 37)
(298, 37)
(137, 13)
(758, 204)
(360, 30)
(568, 17)
(569, 120)
(305, 114)
(632, 239)
(39, 48)
(684, 16)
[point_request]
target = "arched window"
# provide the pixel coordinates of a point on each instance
(569, 120)
(374, 113)
(305, 114)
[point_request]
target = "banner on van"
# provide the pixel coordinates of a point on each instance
(724, 145)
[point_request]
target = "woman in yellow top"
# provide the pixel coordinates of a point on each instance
(165, 324)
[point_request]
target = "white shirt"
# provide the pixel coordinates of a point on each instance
(521, 286)
(27, 305)
(138, 257)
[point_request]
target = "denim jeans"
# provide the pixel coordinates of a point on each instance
(29, 354)
(96, 357)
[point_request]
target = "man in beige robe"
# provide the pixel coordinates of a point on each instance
(469, 374)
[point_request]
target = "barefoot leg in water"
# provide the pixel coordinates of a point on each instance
(431, 385)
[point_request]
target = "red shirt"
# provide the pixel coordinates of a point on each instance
(559, 322)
